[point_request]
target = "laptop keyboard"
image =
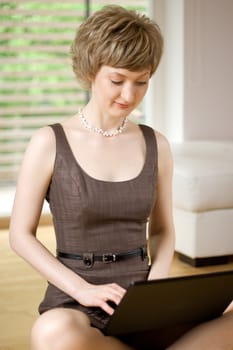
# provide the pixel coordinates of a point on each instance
(98, 316)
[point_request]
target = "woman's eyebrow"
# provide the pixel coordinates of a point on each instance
(124, 75)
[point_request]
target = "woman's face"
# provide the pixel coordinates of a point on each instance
(118, 91)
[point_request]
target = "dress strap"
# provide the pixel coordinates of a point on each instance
(151, 165)
(62, 145)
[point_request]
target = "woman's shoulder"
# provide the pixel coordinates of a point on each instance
(163, 145)
(40, 154)
(42, 141)
(162, 140)
(164, 149)
(43, 135)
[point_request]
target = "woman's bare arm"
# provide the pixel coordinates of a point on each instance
(161, 227)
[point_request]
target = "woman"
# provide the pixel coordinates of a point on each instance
(105, 178)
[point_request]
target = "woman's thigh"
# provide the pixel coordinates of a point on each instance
(69, 329)
(215, 335)
(58, 326)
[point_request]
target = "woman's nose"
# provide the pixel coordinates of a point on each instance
(128, 93)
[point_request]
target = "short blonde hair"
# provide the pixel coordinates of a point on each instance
(116, 37)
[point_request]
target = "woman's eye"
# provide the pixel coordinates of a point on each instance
(141, 83)
(116, 82)
(137, 83)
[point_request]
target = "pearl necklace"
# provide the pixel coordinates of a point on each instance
(105, 133)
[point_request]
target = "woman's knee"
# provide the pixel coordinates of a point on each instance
(59, 329)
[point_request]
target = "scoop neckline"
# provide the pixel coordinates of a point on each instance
(107, 181)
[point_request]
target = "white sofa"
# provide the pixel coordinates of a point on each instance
(203, 201)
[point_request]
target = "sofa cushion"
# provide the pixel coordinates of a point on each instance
(203, 175)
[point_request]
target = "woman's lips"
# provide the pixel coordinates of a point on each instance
(122, 105)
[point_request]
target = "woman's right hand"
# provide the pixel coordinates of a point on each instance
(100, 295)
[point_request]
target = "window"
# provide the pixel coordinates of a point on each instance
(37, 85)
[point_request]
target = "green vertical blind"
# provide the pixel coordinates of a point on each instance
(37, 85)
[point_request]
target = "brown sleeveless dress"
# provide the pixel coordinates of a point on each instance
(95, 216)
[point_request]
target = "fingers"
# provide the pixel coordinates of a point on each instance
(117, 292)
(101, 296)
(106, 307)
(112, 295)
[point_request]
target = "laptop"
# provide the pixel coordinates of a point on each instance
(170, 302)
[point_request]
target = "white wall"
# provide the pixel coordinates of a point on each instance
(208, 70)
(191, 96)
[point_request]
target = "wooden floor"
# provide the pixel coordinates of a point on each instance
(21, 290)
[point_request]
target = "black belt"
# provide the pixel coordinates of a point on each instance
(90, 258)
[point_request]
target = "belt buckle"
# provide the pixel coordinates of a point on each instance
(108, 258)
